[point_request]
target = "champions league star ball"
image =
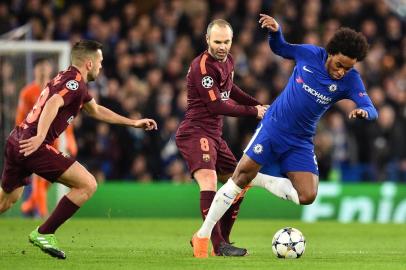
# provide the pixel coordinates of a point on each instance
(288, 243)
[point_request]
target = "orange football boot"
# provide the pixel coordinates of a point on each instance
(200, 246)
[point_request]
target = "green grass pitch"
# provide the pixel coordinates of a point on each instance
(164, 244)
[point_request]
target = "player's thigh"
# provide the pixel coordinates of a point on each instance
(77, 176)
(199, 151)
(300, 165)
(48, 162)
(14, 173)
(226, 162)
(207, 179)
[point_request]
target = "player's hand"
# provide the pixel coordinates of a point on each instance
(146, 124)
(358, 113)
(29, 146)
(261, 111)
(268, 22)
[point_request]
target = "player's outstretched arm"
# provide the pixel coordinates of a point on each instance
(276, 40)
(48, 115)
(103, 114)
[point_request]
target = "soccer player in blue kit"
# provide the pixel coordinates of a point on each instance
(320, 78)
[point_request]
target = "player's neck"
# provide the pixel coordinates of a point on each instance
(82, 72)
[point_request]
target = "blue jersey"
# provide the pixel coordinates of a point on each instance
(310, 90)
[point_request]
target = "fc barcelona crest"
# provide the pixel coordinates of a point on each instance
(206, 157)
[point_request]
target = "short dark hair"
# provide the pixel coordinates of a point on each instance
(84, 48)
(349, 43)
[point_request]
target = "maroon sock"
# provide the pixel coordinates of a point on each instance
(63, 211)
(228, 219)
(206, 198)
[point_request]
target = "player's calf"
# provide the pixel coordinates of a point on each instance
(246, 170)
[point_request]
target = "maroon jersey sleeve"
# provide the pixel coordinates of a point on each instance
(87, 97)
(208, 89)
(71, 89)
(241, 97)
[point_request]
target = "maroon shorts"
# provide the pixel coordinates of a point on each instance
(46, 162)
(203, 152)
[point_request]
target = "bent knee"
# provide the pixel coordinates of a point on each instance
(92, 185)
(4, 206)
(307, 197)
(89, 187)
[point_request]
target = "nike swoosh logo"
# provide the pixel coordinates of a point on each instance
(306, 69)
(227, 196)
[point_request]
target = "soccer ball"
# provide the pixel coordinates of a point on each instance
(288, 243)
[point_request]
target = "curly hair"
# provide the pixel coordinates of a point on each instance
(349, 43)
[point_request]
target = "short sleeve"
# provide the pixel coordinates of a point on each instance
(72, 91)
(87, 97)
(206, 82)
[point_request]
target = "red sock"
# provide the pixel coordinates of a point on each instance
(206, 198)
(63, 211)
(228, 219)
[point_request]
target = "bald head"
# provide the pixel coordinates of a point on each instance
(219, 38)
(219, 23)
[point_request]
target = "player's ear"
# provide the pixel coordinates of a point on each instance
(89, 64)
(207, 39)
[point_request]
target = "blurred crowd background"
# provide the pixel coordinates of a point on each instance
(149, 45)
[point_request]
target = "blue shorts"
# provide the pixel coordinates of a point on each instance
(294, 154)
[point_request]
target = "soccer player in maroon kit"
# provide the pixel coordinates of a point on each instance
(210, 88)
(29, 146)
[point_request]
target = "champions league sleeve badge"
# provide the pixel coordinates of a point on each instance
(72, 85)
(207, 82)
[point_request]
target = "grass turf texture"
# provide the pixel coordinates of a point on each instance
(164, 244)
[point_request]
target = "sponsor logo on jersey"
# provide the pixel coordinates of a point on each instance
(258, 148)
(322, 99)
(207, 82)
(72, 85)
(206, 157)
(332, 88)
(225, 95)
(362, 94)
